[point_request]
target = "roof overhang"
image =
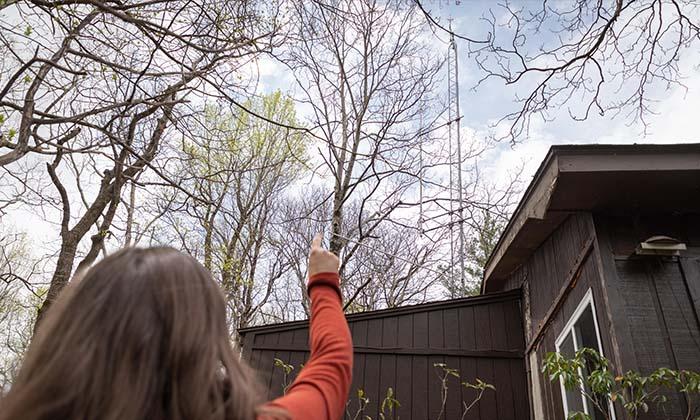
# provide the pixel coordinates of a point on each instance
(577, 178)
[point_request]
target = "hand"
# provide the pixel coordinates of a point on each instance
(320, 260)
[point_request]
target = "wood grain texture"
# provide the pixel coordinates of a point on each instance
(482, 338)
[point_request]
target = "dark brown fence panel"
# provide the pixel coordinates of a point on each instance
(482, 337)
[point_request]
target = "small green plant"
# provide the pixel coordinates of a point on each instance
(362, 402)
(590, 373)
(386, 409)
(444, 373)
(287, 369)
(480, 386)
(389, 403)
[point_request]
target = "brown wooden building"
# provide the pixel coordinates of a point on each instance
(571, 269)
(573, 248)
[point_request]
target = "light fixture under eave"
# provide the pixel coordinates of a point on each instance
(660, 245)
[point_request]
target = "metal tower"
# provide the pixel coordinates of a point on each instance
(453, 136)
(421, 220)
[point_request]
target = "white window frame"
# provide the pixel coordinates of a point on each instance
(568, 328)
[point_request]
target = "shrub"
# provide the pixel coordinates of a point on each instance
(589, 372)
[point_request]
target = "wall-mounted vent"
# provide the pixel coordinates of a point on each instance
(660, 245)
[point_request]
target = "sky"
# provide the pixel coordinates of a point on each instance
(676, 110)
(675, 120)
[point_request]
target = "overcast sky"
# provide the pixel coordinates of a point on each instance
(675, 120)
(677, 109)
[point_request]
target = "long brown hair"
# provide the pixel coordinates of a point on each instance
(141, 336)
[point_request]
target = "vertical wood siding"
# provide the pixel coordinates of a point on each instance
(397, 348)
(657, 296)
(559, 259)
(650, 304)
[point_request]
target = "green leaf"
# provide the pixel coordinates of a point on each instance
(577, 415)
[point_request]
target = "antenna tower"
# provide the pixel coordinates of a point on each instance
(453, 136)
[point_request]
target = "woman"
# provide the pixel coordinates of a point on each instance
(143, 335)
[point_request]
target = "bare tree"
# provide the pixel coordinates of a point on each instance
(364, 69)
(110, 81)
(398, 266)
(607, 56)
(124, 123)
(237, 166)
(19, 293)
(72, 66)
(395, 267)
(301, 217)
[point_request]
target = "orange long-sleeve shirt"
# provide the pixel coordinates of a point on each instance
(321, 389)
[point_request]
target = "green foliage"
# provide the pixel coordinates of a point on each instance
(287, 369)
(388, 404)
(446, 370)
(479, 248)
(386, 409)
(590, 373)
(38, 297)
(362, 402)
(19, 302)
(477, 251)
(479, 385)
(239, 162)
(249, 138)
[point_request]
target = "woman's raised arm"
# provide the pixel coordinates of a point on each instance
(321, 389)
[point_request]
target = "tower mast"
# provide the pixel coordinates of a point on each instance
(453, 125)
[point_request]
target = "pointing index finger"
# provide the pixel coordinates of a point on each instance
(316, 243)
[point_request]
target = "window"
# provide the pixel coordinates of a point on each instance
(582, 331)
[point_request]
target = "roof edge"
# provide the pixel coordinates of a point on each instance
(401, 310)
(536, 199)
(499, 248)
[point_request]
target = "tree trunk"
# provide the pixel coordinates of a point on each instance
(61, 276)
(336, 242)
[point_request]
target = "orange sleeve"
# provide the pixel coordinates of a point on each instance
(321, 389)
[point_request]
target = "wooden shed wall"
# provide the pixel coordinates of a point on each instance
(648, 309)
(554, 280)
(657, 298)
(480, 336)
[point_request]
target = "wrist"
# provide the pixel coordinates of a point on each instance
(328, 279)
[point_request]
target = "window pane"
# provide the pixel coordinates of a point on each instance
(586, 337)
(567, 347)
(573, 397)
(585, 331)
